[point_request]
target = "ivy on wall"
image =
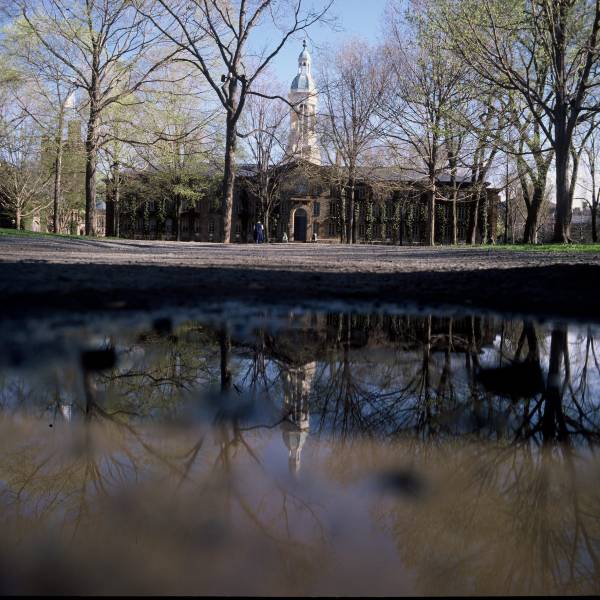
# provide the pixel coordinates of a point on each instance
(369, 221)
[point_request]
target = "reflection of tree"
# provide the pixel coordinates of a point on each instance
(503, 520)
(519, 515)
(374, 375)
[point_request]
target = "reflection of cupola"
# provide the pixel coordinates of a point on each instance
(302, 141)
(296, 388)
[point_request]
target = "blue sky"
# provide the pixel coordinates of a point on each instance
(354, 18)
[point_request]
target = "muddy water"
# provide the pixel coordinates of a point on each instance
(307, 452)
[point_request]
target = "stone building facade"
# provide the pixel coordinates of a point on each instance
(391, 207)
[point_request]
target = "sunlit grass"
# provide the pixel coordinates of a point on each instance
(546, 247)
(27, 233)
(571, 248)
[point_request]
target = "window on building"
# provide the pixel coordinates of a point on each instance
(196, 225)
(211, 227)
(360, 192)
(301, 188)
(331, 228)
(185, 225)
(316, 228)
(316, 209)
(416, 226)
(389, 209)
(333, 208)
(362, 230)
(238, 228)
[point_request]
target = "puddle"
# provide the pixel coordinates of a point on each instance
(300, 452)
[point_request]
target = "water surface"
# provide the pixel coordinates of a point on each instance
(282, 451)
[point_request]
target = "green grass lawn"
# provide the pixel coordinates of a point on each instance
(545, 247)
(26, 233)
(498, 247)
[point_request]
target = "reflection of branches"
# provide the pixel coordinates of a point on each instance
(526, 522)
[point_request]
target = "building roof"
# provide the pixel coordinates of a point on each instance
(303, 82)
(372, 175)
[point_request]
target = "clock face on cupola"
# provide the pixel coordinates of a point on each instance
(302, 141)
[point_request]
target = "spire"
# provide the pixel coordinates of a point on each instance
(303, 81)
(302, 140)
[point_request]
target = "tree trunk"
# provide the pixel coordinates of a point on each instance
(117, 208)
(553, 420)
(594, 210)
(484, 219)
(225, 347)
(178, 210)
(533, 217)
(454, 219)
(266, 224)
(91, 160)
(473, 221)
(350, 237)
(228, 178)
(58, 171)
(116, 199)
(18, 218)
(562, 222)
(430, 240)
(343, 209)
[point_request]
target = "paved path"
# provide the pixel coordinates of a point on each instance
(307, 257)
(93, 273)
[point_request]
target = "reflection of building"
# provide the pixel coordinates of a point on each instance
(297, 383)
(66, 411)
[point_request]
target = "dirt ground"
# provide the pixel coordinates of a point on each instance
(49, 273)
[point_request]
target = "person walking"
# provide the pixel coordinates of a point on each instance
(259, 233)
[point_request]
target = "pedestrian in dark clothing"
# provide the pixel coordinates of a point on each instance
(259, 233)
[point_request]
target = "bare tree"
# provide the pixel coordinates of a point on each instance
(592, 163)
(23, 183)
(548, 52)
(352, 83)
(266, 123)
(166, 130)
(48, 99)
(104, 46)
(215, 36)
(427, 87)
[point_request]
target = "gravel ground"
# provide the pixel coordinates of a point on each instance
(88, 274)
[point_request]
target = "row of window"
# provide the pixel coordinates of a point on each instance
(185, 226)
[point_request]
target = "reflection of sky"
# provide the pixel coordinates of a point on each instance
(577, 339)
(382, 388)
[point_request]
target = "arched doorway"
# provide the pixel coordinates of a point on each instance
(300, 225)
